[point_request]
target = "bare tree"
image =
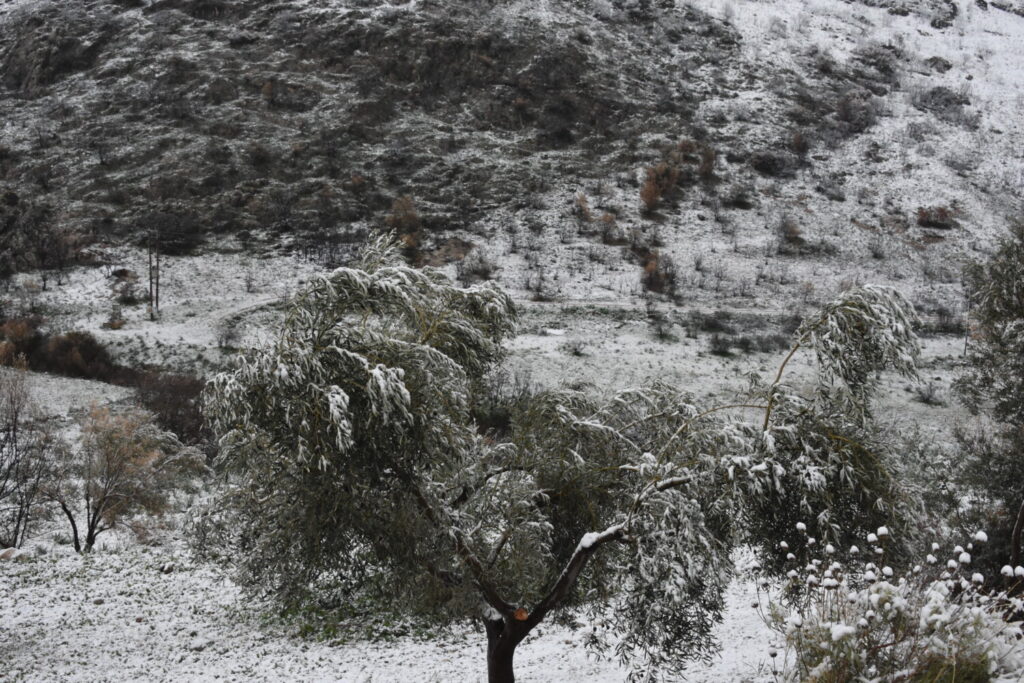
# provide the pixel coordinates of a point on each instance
(123, 465)
(23, 468)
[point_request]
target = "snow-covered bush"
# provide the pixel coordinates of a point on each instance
(354, 468)
(860, 620)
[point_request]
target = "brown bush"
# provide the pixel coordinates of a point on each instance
(941, 217)
(799, 144)
(403, 218)
(611, 233)
(660, 274)
(75, 354)
(706, 167)
(790, 232)
(660, 178)
(175, 401)
(405, 221)
(581, 209)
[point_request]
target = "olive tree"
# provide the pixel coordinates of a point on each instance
(352, 466)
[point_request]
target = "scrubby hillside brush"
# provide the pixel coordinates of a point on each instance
(23, 464)
(353, 469)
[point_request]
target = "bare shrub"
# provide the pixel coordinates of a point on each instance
(791, 235)
(403, 217)
(405, 221)
(929, 394)
(611, 233)
(706, 167)
(476, 266)
(720, 345)
(124, 465)
(660, 274)
(581, 209)
(228, 334)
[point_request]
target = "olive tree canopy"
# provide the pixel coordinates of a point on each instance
(353, 466)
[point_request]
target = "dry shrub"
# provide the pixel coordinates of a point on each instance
(175, 402)
(799, 144)
(405, 221)
(664, 176)
(581, 209)
(76, 354)
(941, 217)
(706, 167)
(660, 274)
(790, 232)
(611, 233)
(660, 178)
(403, 218)
(73, 354)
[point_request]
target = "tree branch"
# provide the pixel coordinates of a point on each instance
(778, 378)
(1018, 527)
(588, 545)
(472, 562)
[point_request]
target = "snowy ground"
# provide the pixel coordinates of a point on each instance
(116, 616)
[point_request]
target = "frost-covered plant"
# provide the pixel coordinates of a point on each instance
(354, 468)
(860, 620)
(994, 384)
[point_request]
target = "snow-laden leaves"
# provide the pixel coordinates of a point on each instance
(327, 432)
(861, 333)
(355, 468)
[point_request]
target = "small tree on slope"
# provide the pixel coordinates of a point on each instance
(353, 465)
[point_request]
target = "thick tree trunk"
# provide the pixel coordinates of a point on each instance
(499, 666)
(501, 648)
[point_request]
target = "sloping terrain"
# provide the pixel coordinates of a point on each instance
(794, 146)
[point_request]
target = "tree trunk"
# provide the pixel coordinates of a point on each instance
(501, 648)
(1018, 527)
(93, 529)
(74, 527)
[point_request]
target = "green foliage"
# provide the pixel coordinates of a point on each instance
(996, 291)
(336, 425)
(355, 470)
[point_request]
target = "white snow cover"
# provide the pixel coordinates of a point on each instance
(115, 616)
